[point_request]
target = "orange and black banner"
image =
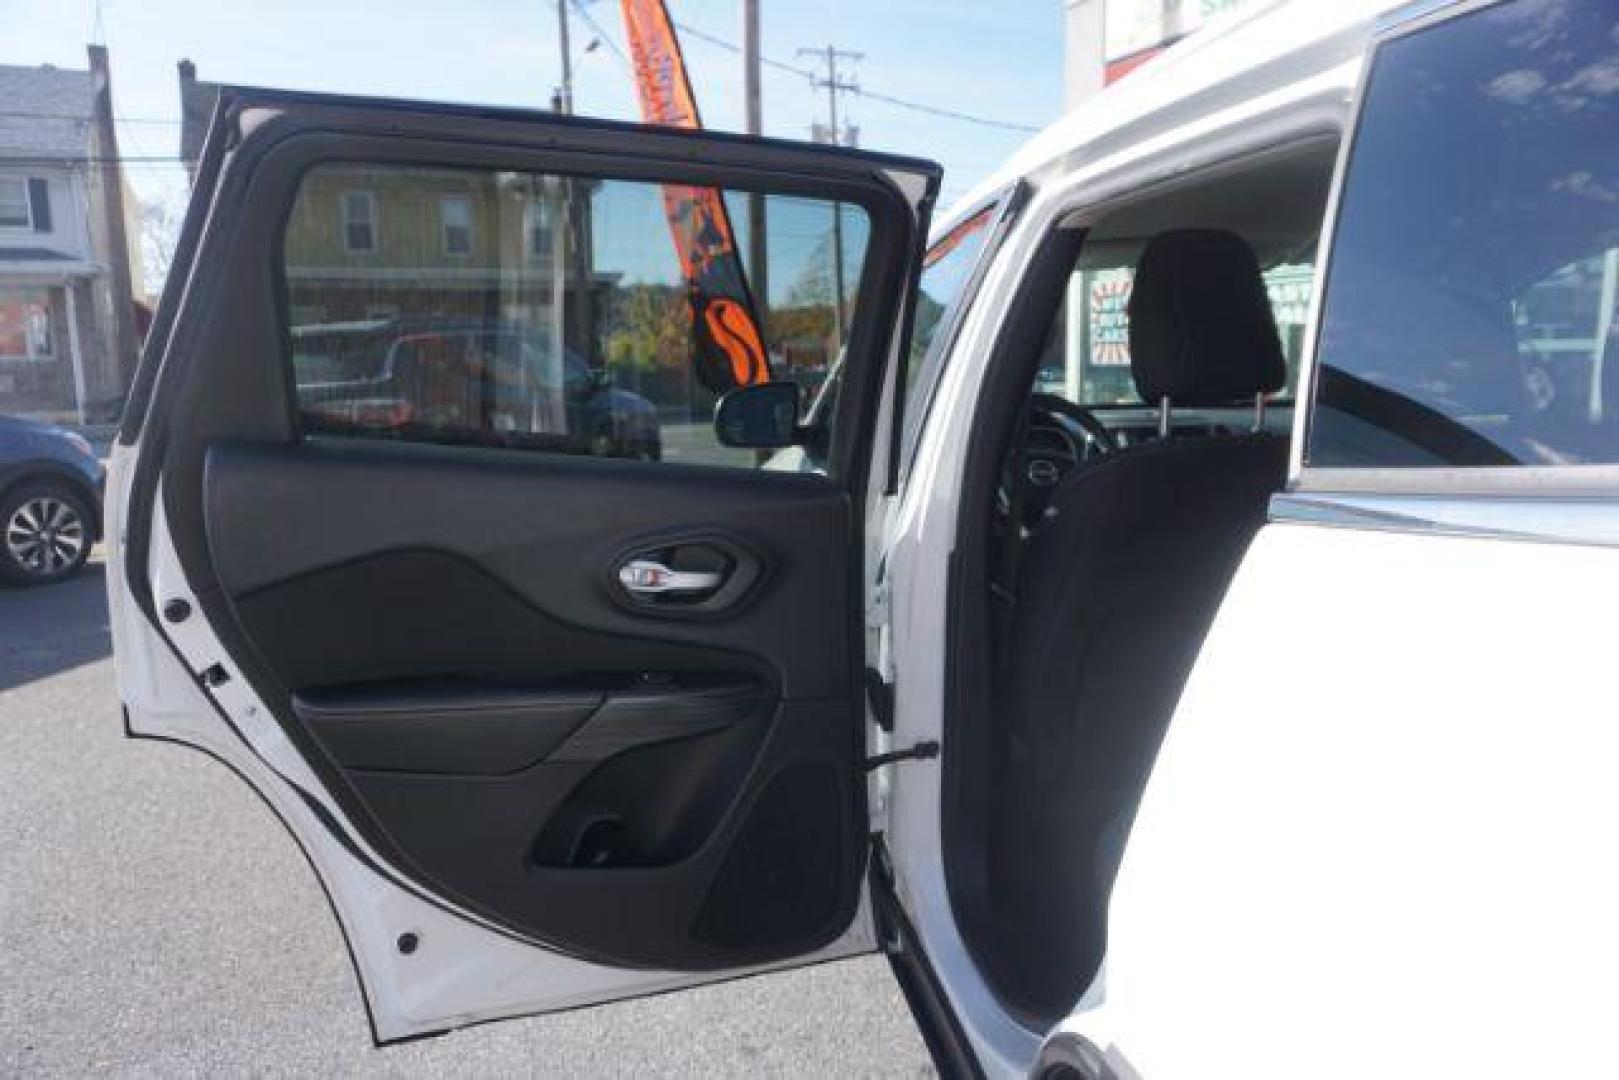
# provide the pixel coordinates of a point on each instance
(724, 321)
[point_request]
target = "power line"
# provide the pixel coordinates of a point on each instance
(601, 34)
(811, 76)
(731, 46)
(948, 114)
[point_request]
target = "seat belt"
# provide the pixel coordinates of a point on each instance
(1003, 583)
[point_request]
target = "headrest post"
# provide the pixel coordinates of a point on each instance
(1259, 412)
(1163, 417)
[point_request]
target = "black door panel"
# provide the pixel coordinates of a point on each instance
(645, 789)
(437, 726)
(432, 726)
(552, 529)
(643, 858)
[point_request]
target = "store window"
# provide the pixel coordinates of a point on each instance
(1099, 332)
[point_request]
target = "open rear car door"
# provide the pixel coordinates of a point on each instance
(419, 522)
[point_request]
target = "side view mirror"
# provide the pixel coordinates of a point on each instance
(762, 417)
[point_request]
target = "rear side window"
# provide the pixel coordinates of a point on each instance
(453, 323)
(1469, 310)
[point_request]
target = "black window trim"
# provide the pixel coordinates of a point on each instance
(1442, 481)
(866, 194)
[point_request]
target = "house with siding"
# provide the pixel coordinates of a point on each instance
(69, 257)
(366, 243)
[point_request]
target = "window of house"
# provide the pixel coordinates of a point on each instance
(25, 325)
(14, 208)
(1469, 313)
(440, 340)
(455, 224)
(359, 222)
(539, 230)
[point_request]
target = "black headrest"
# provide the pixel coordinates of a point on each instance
(1201, 328)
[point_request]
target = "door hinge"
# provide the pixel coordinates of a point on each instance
(880, 696)
(920, 752)
(877, 604)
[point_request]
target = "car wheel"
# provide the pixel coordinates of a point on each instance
(45, 534)
(604, 442)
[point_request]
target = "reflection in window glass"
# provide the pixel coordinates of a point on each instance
(537, 312)
(455, 215)
(14, 208)
(25, 324)
(1468, 319)
(359, 221)
(945, 271)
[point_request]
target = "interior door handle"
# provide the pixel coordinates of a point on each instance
(644, 577)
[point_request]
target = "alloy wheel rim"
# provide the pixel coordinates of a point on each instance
(45, 535)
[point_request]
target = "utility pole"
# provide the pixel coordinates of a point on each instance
(124, 344)
(573, 232)
(567, 58)
(758, 262)
(835, 85)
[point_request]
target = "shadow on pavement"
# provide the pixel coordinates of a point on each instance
(48, 629)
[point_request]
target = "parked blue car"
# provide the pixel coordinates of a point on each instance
(50, 501)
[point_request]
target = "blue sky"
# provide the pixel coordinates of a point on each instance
(1000, 60)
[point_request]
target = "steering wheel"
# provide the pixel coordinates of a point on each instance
(1096, 433)
(1033, 471)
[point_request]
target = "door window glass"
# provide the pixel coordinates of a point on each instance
(1468, 318)
(537, 312)
(946, 270)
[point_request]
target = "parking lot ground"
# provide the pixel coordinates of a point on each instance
(156, 920)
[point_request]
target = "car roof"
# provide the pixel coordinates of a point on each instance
(1235, 59)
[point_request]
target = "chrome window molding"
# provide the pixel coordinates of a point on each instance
(1562, 518)
(1589, 481)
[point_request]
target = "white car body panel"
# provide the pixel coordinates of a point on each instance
(1313, 60)
(462, 970)
(1412, 875)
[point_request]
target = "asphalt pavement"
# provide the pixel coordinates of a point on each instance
(155, 920)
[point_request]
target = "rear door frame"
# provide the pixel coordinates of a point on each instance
(425, 963)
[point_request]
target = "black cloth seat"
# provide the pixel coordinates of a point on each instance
(1115, 593)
